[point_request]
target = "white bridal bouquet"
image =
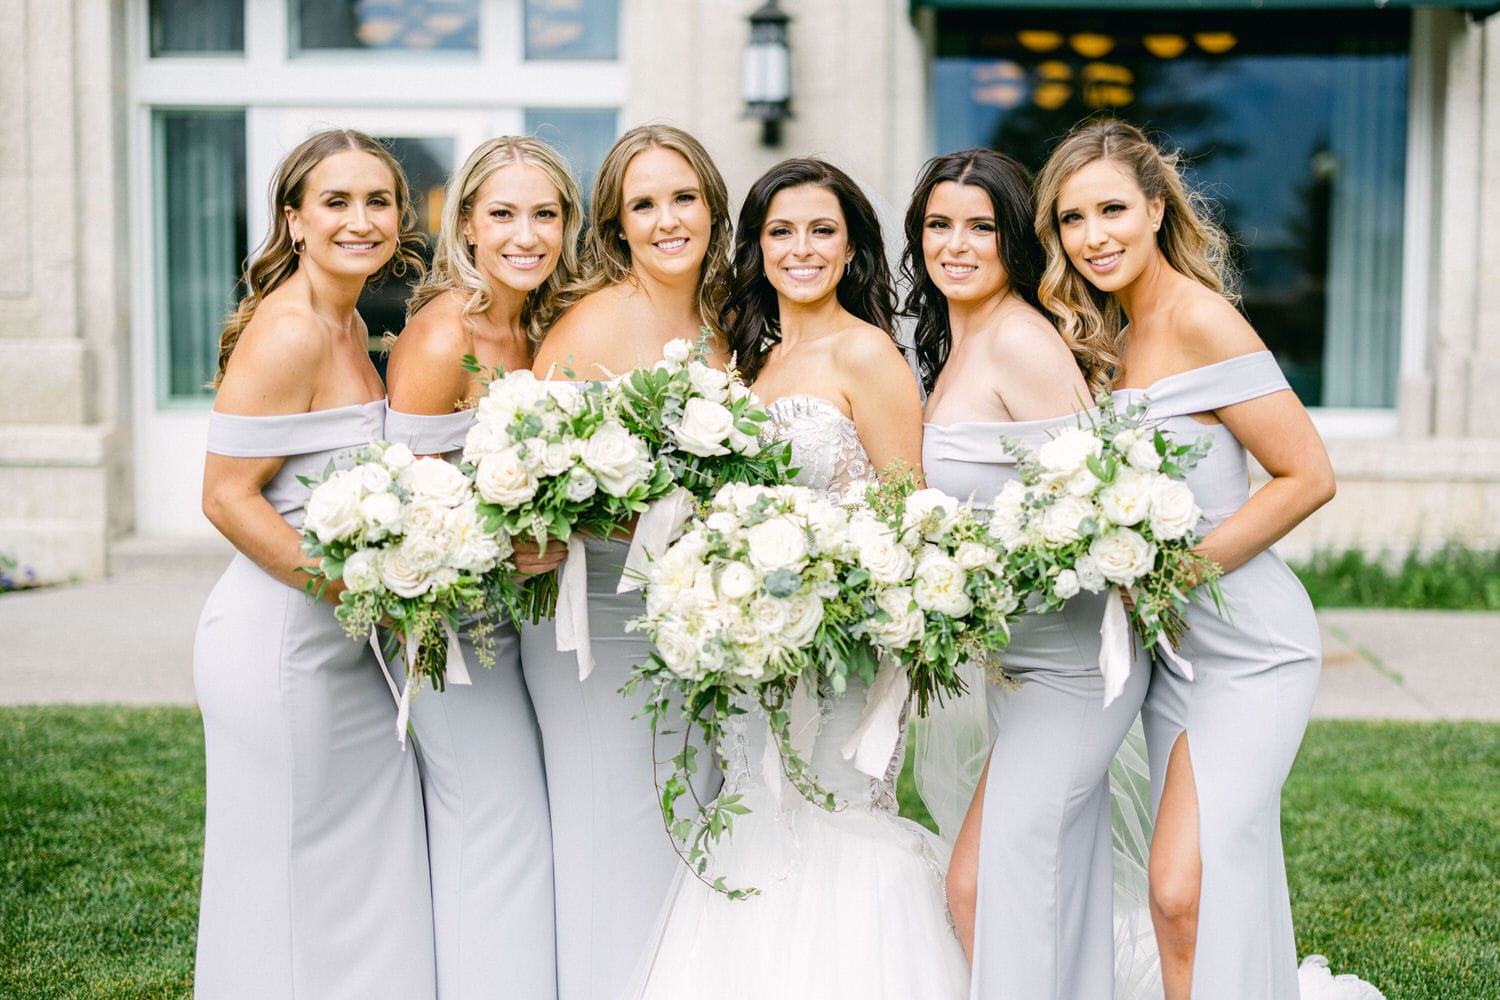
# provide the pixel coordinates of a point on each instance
(406, 537)
(548, 459)
(1103, 506)
(751, 601)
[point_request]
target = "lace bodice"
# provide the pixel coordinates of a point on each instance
(830, 458)
(826, 450)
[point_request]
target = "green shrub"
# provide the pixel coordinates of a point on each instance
(1454, 578)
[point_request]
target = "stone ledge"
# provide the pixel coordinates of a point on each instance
(55, 445)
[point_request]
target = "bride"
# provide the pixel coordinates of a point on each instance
(851, 902)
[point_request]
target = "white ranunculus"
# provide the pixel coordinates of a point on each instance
(1174, 512)
(1065, 584)
(1143, 455)
(400, 577)
(736, 580)
(881, 552)
(374, 477)
(581, 485)
(362, 571)
(1090, 576)
(425, 553)
(704, 428)
(677, 351)
(1123, 555)
(1069, 452)
(502, 478)
(381, 513)
(469, 547)
(438, 480)
(397, 457)
(939, 585)
(972, 556)
(906, 620)
(332, 511)
(1062, 521)
(617, 458)
(777, 543)
(1127, 500)
(804, 615)
(710, 383)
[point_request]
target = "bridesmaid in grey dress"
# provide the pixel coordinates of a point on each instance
(656, 262)
(315, 876)
(508, 241)
(1030, 883)
(1125, 245)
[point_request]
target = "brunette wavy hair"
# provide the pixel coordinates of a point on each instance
(275, 260)
(751, 317)
(1091, 321)
(1008, 186)
(453, 267)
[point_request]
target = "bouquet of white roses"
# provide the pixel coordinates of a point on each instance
(405, 535)
(548, 459)
(1104, 506)
(749, 603)
(948, 599)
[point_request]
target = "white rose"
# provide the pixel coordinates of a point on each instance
(332, 511)
(1174, 512)
(374, 478)
(424, 553)
(381, 513)
(557, 458)
(485, 438)
(1143, 455)
(972, 556)
(1124, 556)
(438, 480)
(739, 390)
(710, 383)
(1126, 439)
(939, 585)
(906, 621)
(397, 457)
(1090, 576)
(423, 517)
(679, 650)
(617, 458)
(1007, 516)
(566, 395)
(1127, 500)
(828, 523)
(581, 485)
(361, 571)
(744, 444)
(777, 543)
(770, 616)
(1069, 451)
(721, 521)
(1065, 585)
(932, 510)
(533, 452)
(736, 580)
(804, 615)
(1081, 483)
(881, 552)
(399, 577)
(502, 478)
(704, 427)
(1062, 521)
(677, 351)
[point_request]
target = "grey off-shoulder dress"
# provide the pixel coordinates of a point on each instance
(1044, 927)
(1256, 669)
(315, 880)
(488, 834)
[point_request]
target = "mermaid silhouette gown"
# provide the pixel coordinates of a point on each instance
(315, 879)
(851, 902)
(1044, 922)
(1255, 673)
(488, 834)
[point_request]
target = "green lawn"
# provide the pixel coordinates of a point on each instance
(1392, 837)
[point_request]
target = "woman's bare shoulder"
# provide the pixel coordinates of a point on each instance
(1208, 328)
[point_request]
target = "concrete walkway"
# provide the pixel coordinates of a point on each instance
(129, 640)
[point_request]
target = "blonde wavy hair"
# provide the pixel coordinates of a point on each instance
(606, 255)
(275, 260)
(453, 267)
(1092, 321)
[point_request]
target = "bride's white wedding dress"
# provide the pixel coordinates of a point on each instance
(851, 902)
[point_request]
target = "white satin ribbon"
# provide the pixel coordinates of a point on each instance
(874, 740)
(573, 606)
(661, 522)
(403, 696)
(457, 671)
(1178, 662)
(802, 730)
(1114, 646)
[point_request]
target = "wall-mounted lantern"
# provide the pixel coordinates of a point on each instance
(768, 78)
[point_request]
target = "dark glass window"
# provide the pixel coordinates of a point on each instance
(194, 27)
(572, 29)
(388, 25)
(582, 135)
(1293, 125)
